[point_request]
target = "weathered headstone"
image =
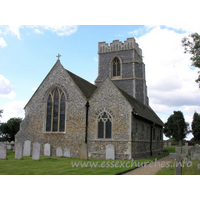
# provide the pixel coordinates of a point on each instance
(3, 151)
(195, 153)
(186, 148)
(27, 148)
(110, 151)
(36, 151)
(9, 147)
(83, 152)
(12, 145)
(47, 149)
(18, 151)
(59, 152)
(67, 152)
(178, 156)
(169, 144)
(165, 144)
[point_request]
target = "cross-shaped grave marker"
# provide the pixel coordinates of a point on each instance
(178, 156)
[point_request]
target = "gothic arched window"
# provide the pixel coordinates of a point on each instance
(55, 118)
(116, 69)
(104, 126)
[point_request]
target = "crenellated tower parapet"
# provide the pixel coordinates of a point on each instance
(123, 63)
(116, 45)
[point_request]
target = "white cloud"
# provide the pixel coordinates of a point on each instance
(34, 89)
(13, 109)
(6, 89)
(189, 28)
(170, 79)
(61, 30)
(96, 59)
(2, 42)
(38, 31)
(14, 29)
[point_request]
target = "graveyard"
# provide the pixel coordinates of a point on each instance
(50, 165)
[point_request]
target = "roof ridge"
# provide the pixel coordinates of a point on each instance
(85, 86)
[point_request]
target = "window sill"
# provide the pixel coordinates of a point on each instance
(54, 132)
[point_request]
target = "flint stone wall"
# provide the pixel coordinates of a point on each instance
(33, 126)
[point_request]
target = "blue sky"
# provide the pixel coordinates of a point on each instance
(29, 52)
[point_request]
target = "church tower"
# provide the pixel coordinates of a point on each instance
(123, 63)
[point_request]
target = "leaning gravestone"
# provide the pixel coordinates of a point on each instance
(3, 151)
(47, 149)
(27, 148)
(18, 151)
(110, 152)
(83, 152)
(66, 152)
(59, 152)
(36, 151)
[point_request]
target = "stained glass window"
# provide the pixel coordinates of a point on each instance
(62, 113)
(49, 112)
(55, 120)
(100, 129)
(108, 129)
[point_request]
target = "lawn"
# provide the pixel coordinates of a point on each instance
(63, 166)
(186, 170)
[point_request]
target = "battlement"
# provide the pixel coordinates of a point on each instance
(116, 45)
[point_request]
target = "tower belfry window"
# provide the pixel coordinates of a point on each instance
(116, 67)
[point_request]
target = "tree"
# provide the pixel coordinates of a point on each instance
(9, 129)
(176, 127)
(1, 111)
(192, 46)
(196, 126)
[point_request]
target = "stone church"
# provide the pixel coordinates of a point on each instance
(67, 111)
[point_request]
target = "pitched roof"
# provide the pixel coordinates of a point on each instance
(86, 87)
(142, 110)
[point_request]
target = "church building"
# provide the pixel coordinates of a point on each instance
(67, 111)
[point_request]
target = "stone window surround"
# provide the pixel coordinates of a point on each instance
(97, 121)
(45, 113)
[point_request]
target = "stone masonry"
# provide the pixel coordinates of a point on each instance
(136, 131)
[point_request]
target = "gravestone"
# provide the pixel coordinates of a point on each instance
(27, 148)
(9, 147)
(165, 144)
(3, 151)
(47, 149)
(195, 153)
(169, 144)
(18, 151)
(185, 151)
(83, 152)
(66, 152)
(12, 145)
(36, 151)
(110, 152)
(178, 156)
(59, 152)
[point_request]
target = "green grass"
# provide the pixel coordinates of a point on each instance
(62, 166)
(186, 170)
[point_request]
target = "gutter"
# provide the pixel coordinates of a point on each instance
(87, 105)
